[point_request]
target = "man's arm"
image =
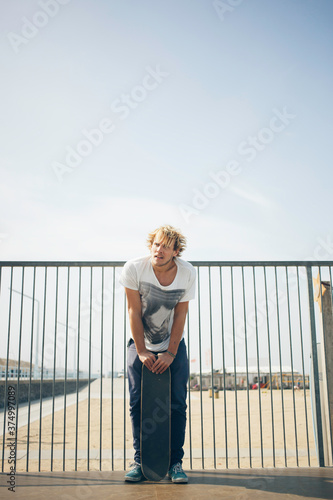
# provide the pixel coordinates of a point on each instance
(164, 359)
(135, 318)
(178, 326)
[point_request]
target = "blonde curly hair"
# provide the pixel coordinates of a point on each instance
(168, 235)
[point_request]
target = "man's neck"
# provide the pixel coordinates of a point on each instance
(164, 268)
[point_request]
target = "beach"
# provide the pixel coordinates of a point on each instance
(81, 430)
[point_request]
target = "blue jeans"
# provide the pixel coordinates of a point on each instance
(179, 378)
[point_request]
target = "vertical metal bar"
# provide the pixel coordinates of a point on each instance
(258, 365)
(330, 389)
(54, 362)
(112, 368)
(101, 372)
(280, 359)
(6, 379)
(212, 361)
(323, 361)
(292, 366)
(270, 365)
(315, 368)
(65, 381)
(189, 388)
(78, 369)
(30, 375)
(89, 376)
(200, 364)
(303, 371)
(247, 369)
(223, 361)
(125, 371)
(235, 360)
(42, 372)
(19, 362)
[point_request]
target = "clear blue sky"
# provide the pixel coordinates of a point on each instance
(222, 82)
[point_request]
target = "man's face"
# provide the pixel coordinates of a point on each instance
(161, 255)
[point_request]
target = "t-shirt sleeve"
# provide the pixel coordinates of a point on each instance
(190, 289)
(128, 277)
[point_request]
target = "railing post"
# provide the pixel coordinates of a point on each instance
(314, 357)
(326, 366)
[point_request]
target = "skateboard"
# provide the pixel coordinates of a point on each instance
(155, 427)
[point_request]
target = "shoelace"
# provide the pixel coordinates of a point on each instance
(177, 468)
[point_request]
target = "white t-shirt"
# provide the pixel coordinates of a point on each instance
(158, 301)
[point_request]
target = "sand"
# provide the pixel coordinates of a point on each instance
(110, 425)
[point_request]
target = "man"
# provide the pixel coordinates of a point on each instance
(158, 288)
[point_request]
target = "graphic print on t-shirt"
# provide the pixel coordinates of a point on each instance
(157, 307)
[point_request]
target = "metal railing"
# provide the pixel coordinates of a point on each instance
(251, 335)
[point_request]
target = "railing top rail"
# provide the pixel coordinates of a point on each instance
(278, 263)
(62, 263)
(203, 263)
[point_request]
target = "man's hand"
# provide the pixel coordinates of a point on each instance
(147, 358)
(163, 361)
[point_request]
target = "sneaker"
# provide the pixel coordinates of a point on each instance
(135, 474)
(176, 474)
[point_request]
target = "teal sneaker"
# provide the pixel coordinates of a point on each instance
(135, 474)
(176, 474)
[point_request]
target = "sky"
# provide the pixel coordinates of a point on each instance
(120, 116)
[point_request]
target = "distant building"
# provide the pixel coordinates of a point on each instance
(241, 381)
(13, 368)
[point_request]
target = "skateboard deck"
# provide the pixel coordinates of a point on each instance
(155, 424)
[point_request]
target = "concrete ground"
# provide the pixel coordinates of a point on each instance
(240, 484)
